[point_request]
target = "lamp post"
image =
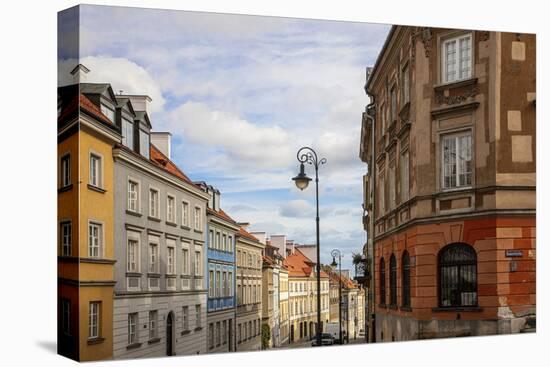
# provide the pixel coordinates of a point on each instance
(309, 156)
(335, 253)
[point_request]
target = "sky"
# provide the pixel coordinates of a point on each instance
(240, 95)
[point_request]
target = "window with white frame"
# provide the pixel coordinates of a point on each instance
(154, 203)
(185, 318)
(185, 259)
(132, 328)
(185, 214)
(133, 255)
(198, 322)
(170, 259)
(230, 243)
(95, 239)
(95, 170)
(133, 196)
(171, 209)
(198, 263)
(229, 283)
(153, 323)
(127, 133)
(456, 152)
(153, 257)
(406, 85)
(456, 58)
(224, 242)
(144, 143)
(198, 218)
(66, 170)
(224, 284)
(66, 316)
(218, 284)
(217, 241)
(404, 175)
(66, 237)
(93, 319)
(108, 112)
(211, 239)
(211, 293)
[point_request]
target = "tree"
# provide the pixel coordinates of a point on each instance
(357, 258)
(266, 336)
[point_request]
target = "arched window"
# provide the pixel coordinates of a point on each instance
(457, 276)
(406, 279)
(393, 280)
(382, 282)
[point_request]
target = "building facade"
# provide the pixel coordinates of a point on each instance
(449, 202)
(284, 306)
(249, 291)
(86, 135)
(221, 317)
(270, 297)
(160, 228)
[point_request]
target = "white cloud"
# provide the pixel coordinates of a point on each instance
(120, 72)
(296, 209)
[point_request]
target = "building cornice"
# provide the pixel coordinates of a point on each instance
(99, 128)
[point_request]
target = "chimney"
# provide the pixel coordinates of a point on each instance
(262, 236)
(279, 241)
(163, 141)
(216, 194)
(79, 73)
(139, 102)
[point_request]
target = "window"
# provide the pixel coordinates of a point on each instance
(393, 280)
(108, 112)
(153, 258)
(198, 316)
(211, 336)
(239, 333)
(406, 279)
(185, 214)
(93, 320)
(404, 175)
(170, 209)
(198, 267)
(230, 243)
(381, 194)
(127, 133)
(133, 195)
(132, 328)
(170, 260)
(144, 143)
(153, 203)
(185, 261)
(392, 186)
(218, 339)
(217, 240)
(457, 160)
(224, 242)
(132, 256)
(382, 282)
(211, 239)
(95, 240)
(153, 322)
(95, 170)
(456, 58)
(382, 119)
(66, 236)
(218, 283)
(457, 276)
(198, 218)
(66, 316)
(224, 284)
(224, 332)
(230, 283)
(185, 318)
(405, 88)
(211, 293)
(66, 170)
(393, 104)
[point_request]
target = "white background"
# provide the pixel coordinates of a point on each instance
(28, 185)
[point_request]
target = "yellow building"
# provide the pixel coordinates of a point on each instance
(86, 135)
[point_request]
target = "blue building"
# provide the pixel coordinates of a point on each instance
(220, 275)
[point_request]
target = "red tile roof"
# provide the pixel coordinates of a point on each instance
(92, 109)
(166, 164)
(221, 214)
(299, 265)
(244, 233)
(346, 282)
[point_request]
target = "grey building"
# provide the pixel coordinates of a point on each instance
(160, 228)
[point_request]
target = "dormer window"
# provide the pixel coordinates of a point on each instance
(108, 112)
(127, 133)
(144, 143)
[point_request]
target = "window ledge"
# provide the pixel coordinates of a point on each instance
(458, 309)
(170, 275)
(392, 307)
(183, 226)
(97, 189)
(69, 187)
(154, 219)
(455, 84)
(197, 230)
(131, 212)
(133, 346)
(153, 275)
(405, 308)
(153, 341)
(173, 224)
(133, 274)
(198, 328)
(97, 340)
(185, 332)
(185, 276)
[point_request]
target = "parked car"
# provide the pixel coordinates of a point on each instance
(326, 339)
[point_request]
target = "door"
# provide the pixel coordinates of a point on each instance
(169, 334)
(292, 333)
(230, 336)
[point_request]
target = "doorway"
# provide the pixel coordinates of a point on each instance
(170, 334)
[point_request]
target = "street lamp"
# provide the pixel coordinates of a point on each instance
(308, 155)
(335, 253)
